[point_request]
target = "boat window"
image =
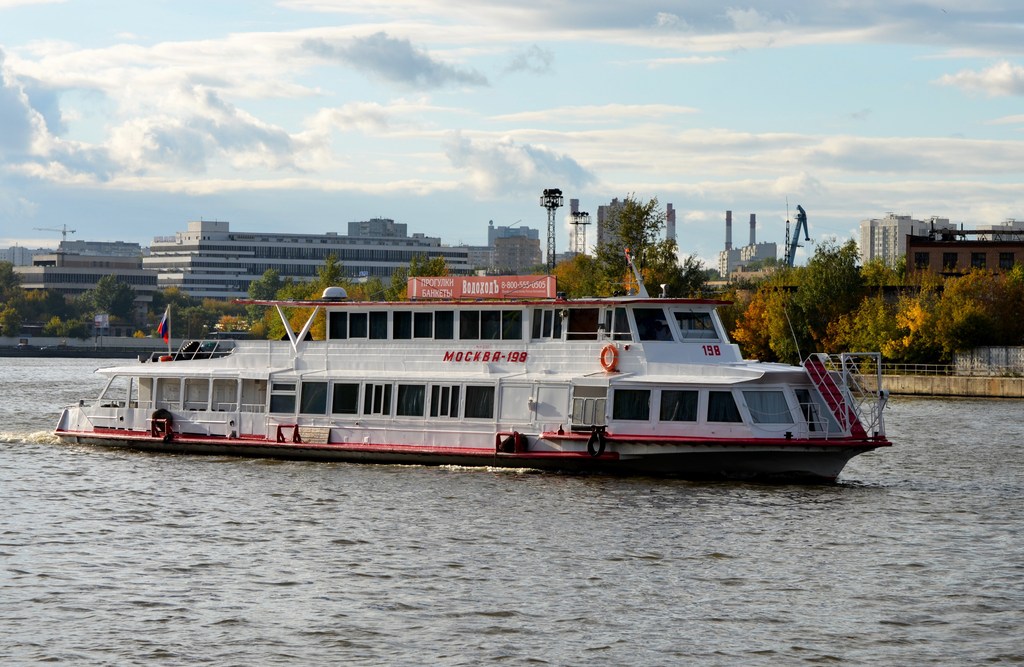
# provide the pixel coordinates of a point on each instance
(423, 325)
(511, 325)
(337, 324)
(410, 400)
(768, 407)
(631, 404)
(282, 397)
(678, 405)
(651, 324)
(402, 324)
(582, 324)
(168, 393)
(444, 401)
(377, 399)
(444, 325)
(145, 392)
(588, 406)
(313, 400)
(225, 395)
(346, 398)
(490, 325)
(722, 407)
(545, 324)
(469, 324)
(479, 402)
(378, 324)
(617, 324)
(695, 325)
(357, 325)
(197, 393)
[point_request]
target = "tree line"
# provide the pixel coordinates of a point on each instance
(833, 304)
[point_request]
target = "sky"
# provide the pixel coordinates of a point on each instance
(125, 120)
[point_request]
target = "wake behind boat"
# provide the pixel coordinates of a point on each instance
(628, 385)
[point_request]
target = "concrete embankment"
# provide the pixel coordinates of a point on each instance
(954, 385)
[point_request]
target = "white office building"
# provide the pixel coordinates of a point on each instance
(211, 261)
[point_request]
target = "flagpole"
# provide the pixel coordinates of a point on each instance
(168, 328)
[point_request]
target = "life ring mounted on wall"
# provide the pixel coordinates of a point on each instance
(609, 358)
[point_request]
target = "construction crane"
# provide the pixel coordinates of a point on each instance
(793, 243)
(64, 231)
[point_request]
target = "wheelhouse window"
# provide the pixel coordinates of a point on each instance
(444, 325)
(410, 400)
(616, 324)
(479, 402)
(722, 407)
(768, 407)
(423, 325)
(582, 324)
(337, 324)
(401, 322)
(345, 399)
(632, 404)
(357, 325)
(695, 325)
(313, 398)
(377, 399)
(651, 324)
(491, 325)
(546, 323)
(444, 401)
(678, 405)
(378, 325)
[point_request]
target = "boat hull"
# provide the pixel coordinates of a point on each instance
(699, 460)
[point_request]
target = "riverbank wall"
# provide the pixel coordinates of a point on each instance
(954, 385)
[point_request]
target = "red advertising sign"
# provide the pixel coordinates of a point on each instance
(482, 287)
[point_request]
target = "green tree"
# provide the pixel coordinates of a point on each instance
(828, 287)
(635, 226)
(113, 297)
(578, 277)
(10, 321)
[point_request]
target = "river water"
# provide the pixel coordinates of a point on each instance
(120, 558)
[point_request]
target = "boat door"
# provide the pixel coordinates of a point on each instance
(588, 406)
(527, 404)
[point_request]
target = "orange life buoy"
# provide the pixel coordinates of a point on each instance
(609, 357)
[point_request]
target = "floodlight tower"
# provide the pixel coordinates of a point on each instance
(580, 220)
(551, 200)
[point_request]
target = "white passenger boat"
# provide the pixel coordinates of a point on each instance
(633, 385)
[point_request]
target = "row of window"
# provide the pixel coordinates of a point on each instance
(950, 260)
(383, 399)
(680, 405)
(581, 323)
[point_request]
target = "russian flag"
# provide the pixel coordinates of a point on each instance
(164, 328)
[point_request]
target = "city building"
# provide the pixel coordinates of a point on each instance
(732, 259)
(516, 254)
(886, 238)
(19, 256)
(208, 260)
(73, 274)
(953, 252)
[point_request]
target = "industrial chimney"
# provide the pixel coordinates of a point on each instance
(670, 222)
(728, 230)
(753, 229)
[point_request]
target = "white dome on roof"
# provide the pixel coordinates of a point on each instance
(334, 294)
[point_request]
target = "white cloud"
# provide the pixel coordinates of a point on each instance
(505, 166)
(1003, 78)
